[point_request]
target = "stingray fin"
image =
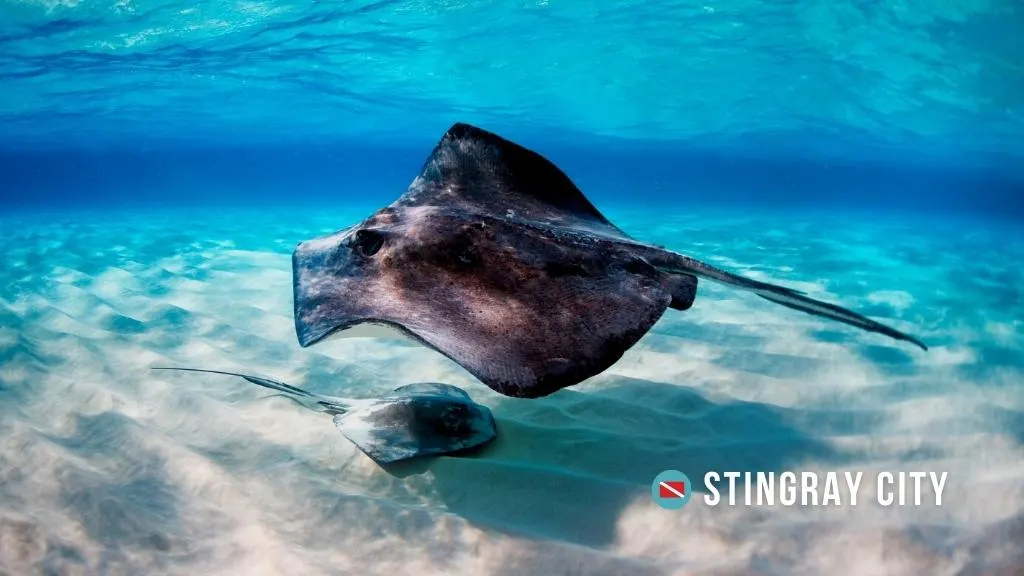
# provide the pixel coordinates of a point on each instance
(539, 345)
(478, 171)
(676, 263)
(380, 445)
(308, 399)
(388, 430)
(683, 288)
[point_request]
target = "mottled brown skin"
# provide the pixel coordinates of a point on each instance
(494, 258)
(526, 313)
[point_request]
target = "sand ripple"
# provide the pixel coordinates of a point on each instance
(107, 467)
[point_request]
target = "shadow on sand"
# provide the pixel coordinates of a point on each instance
(564, 467)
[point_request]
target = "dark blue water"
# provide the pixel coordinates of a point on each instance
(868, 105)
(656, 176)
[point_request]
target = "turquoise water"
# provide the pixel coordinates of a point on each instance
(926, 79)
(160, 160)
(106, 464)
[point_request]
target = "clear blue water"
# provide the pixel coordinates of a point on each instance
(159, 161)
(797, 101)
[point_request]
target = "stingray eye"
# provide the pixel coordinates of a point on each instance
(368, 242)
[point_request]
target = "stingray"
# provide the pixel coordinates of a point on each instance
(494, 258)
(420, 419)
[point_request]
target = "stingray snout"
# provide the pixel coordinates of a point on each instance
(319, 269)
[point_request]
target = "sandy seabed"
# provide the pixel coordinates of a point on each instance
(107, 467)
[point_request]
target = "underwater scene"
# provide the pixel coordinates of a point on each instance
(511, 287)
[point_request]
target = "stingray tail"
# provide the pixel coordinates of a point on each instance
(308, 399)
(788, 297)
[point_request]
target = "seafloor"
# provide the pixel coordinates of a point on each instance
(107, 467)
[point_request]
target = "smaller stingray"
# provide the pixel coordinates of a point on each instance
(421, 419)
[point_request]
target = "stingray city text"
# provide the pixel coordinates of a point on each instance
(823, 488)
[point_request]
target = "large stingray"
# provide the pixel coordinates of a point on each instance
(494, 258)
(421, 419)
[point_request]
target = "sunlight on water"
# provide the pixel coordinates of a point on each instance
(935, 77)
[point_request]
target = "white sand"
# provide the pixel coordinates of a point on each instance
(106, 467)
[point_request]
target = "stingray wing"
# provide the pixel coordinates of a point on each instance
(476, 171)
(393, 429)
(382, 443)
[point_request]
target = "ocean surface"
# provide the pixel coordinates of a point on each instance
(160, 160)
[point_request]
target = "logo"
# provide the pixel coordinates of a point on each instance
(671, 489)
